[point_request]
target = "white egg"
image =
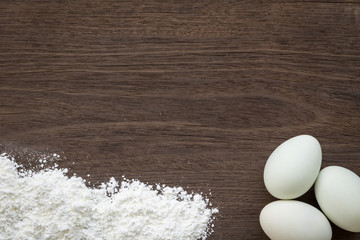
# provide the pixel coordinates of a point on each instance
(294, 220)
(337, 191)
(292, 167)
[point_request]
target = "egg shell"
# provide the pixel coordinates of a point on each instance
(292, 167)
(295, 220)
(337, 191)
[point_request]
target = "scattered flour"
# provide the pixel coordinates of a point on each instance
(49, 205)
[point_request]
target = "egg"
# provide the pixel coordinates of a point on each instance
(292, 167)
(337, 191)
(295, 220)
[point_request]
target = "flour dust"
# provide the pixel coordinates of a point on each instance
(46, 204)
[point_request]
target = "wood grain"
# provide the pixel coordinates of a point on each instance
(189, 93)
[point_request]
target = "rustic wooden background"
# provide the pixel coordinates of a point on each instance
(189, 93)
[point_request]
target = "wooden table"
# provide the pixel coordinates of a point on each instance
(188, 93)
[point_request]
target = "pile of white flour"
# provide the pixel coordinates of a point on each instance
(49, 205)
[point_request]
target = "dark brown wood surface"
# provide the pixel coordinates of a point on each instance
(188, 93)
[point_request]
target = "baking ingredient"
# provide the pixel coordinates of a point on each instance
(49, 205)
(337, 191)
(292, 167)
(295, 220)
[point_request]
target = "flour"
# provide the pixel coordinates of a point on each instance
(49, 205)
